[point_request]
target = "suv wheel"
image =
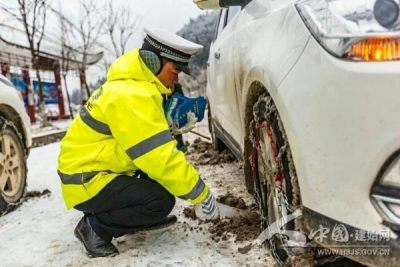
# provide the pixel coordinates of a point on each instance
(273, 174)
(218, 145)
(13, 170)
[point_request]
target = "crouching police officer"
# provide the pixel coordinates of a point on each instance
(118, 163)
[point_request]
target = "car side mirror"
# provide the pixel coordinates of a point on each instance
(218, 4)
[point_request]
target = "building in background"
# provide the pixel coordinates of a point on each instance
(15, 61)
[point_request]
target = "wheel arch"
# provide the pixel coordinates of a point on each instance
(12, 115)
(257, 82)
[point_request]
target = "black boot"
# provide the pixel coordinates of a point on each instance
(167, 221)
(94, 245)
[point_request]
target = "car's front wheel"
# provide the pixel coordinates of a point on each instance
(13, 170)
(277, 192)
(275, 186)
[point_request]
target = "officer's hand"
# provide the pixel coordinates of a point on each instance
(208, 209)
(191, 121)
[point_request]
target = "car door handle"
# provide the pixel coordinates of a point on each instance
(208, 64)
(217, 55)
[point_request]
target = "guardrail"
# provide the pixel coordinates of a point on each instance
(47, 138)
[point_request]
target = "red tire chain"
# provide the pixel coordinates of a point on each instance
(279, 176)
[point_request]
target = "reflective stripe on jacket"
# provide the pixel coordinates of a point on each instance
(122, 128)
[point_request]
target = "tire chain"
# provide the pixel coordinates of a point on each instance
(296, 200)
(255, 124)
(12, 206)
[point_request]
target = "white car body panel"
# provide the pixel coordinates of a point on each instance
(222, 103)
(10, 97)
(341, 116)
(264, 60)
(242, 40)
(320, 99)
(337, 162)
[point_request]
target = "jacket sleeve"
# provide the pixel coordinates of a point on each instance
(138, 124)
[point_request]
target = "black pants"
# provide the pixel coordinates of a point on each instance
(127, 204)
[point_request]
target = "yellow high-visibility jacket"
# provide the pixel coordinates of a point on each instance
(122, 128)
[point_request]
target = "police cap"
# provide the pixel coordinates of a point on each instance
(171, 46)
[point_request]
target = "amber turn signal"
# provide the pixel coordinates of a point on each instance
(376, 49)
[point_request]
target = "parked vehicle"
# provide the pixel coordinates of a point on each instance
(306, 93)
(15, 140)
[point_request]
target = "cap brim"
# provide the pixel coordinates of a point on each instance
(184, 68)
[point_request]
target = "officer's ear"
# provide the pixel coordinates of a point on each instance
(152, 60)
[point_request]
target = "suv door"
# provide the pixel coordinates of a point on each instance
(215, 95)
(228, 48)
(224, 100)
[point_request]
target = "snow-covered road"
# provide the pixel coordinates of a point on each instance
(40, 231)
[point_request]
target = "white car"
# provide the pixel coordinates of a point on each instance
(15, 141)
(307, 94)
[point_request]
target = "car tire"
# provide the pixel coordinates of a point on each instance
(218, 145)
(13, 169)
(272, 140)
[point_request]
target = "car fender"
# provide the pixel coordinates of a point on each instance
(10, 105)
(257, 82)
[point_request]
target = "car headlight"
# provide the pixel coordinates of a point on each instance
(358, 29)
(386, 13)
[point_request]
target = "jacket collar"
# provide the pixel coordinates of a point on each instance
(130, 66)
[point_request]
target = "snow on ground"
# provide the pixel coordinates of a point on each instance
(56, 127)
(60, 124)
(40, 231)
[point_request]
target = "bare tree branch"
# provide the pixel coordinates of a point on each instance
(111, 22)
(66, 53)
(32, 15)
(127, 27)
(89, 25)
(120, 25)
(44, 15)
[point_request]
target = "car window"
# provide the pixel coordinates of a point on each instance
(232, 11)
(221, 23)
(6, 82)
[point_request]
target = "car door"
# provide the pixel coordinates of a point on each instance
(228, 61)
(223, 64)
(211, 67)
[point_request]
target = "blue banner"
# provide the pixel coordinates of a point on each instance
(18, 82)
(49, 89)
(49, 92)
